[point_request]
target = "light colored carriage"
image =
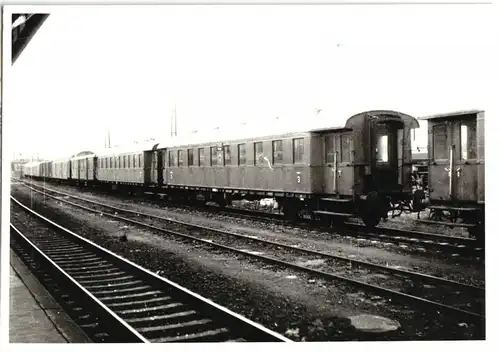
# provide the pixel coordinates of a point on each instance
(45, 169)
(456, 169)
(82, 168)
(61, 169)
(31, 169)
(124, 166)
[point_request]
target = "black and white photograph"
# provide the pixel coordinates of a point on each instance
(245, 173)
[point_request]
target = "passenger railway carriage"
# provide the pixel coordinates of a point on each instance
(362, 168)
(123, 167)
(17, 167)
(456, 170)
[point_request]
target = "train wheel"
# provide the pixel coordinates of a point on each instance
(371, 210)
(371, 220)
(478, 232)
(290, 210)
(418, 201)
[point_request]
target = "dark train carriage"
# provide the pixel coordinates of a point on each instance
(367, 161)
(456, 169)
(264, 166)
(363, 168)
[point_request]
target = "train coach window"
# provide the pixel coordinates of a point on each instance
(330, 149)
(468, 140)
(139, 163)
(190, 157)
(258, 153)
(227, 155)
(277, 151)
(242, 154)
(440, 141)
(129, 163)
(382, 149)
(171, 159)
(346, 148)
(180, 157)
(201, 157)
(213, 156)
(298, 151)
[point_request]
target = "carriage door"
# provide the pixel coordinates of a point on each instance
(442, 155)
(159, 166)
(338, 172)
(466, 160)
(154, 167)
(386, 155)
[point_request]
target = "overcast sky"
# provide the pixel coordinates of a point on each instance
(87, 69)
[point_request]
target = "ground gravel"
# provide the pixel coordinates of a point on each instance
(287, 302)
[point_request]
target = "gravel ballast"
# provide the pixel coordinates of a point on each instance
(282, 300)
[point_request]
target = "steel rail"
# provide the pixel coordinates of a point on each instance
(418, 275)
(250, 330)
(120, 328)
(395, 294)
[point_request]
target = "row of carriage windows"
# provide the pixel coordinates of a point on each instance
(129, 161)
(221, 155)
(466, 149)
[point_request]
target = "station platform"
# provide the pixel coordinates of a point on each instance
(35, 317)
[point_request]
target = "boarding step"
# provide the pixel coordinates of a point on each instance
(332, 199)
(448, 224)
(337, 214)
(448, 208)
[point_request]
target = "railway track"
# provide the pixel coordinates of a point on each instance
(440, 294)
(397, 236)
(115, 300)
(420, 240)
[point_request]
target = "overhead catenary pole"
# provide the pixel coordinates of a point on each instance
(175, 119)
(173, 122)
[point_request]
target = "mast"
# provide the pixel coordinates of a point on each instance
(173, 122)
